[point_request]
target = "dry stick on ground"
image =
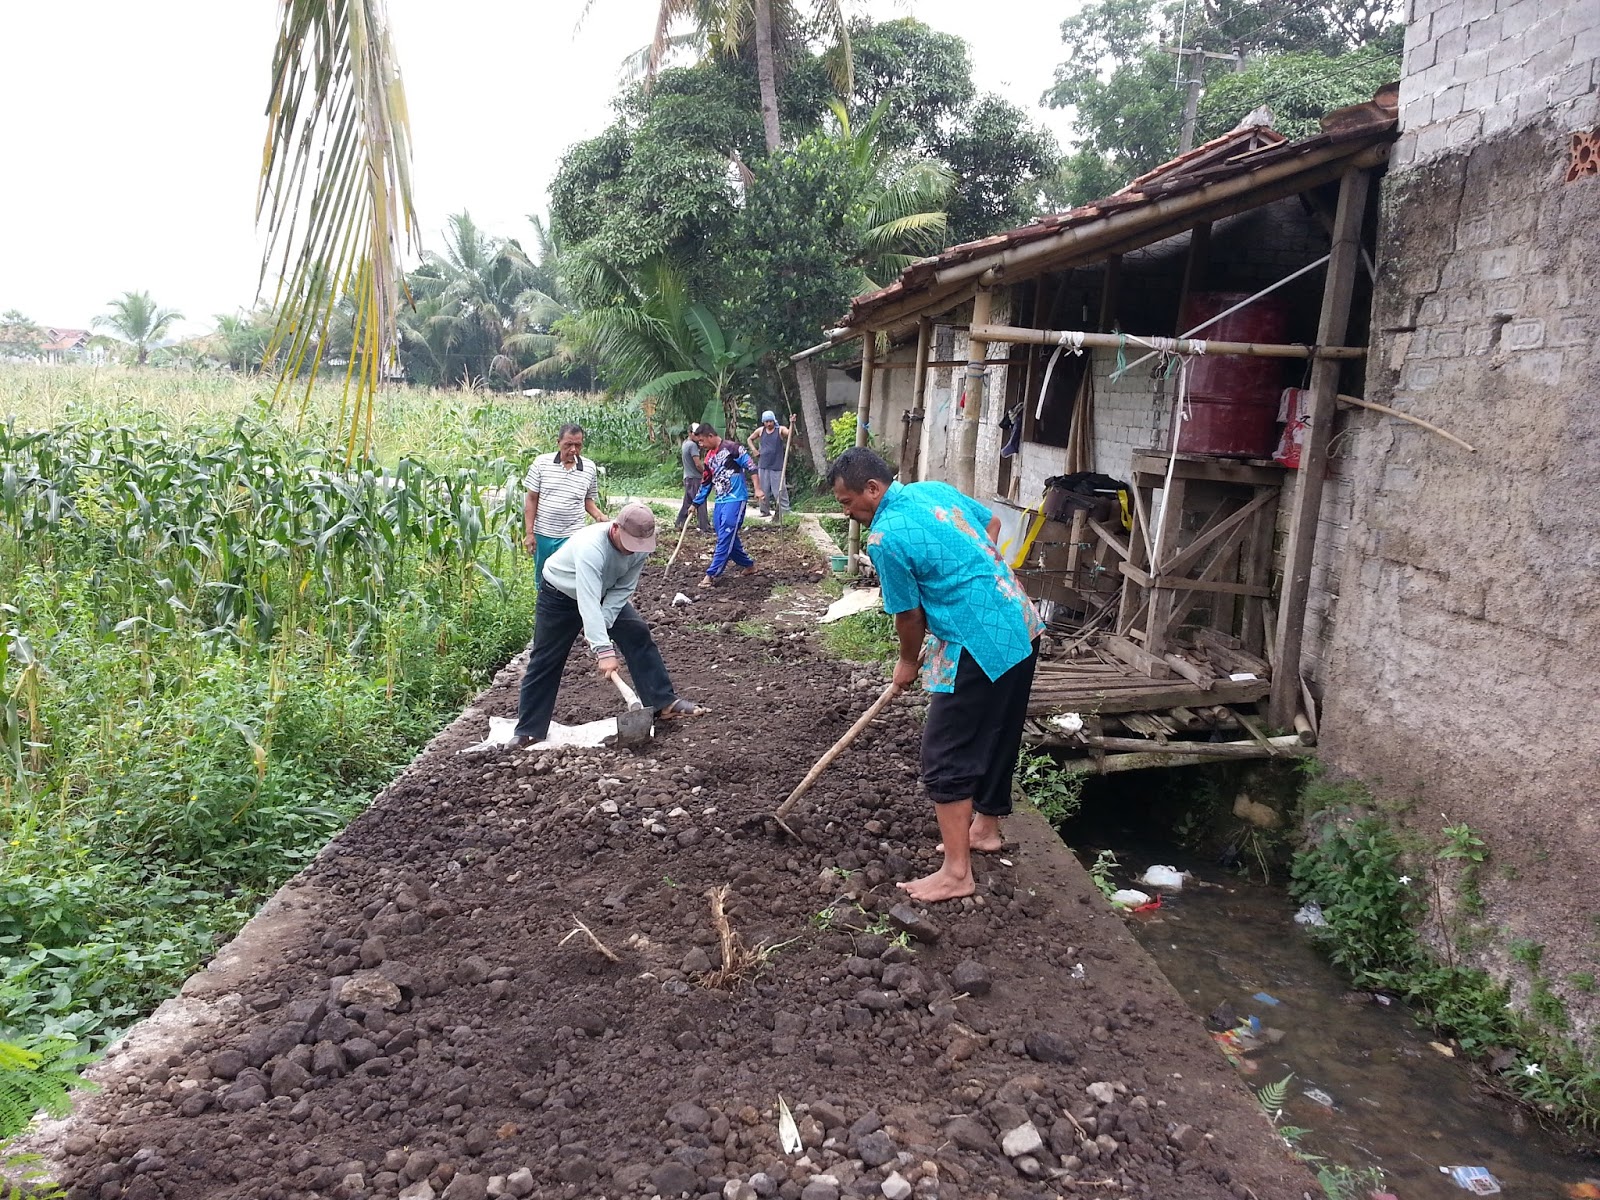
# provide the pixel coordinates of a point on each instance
(736, 958)
(593, 941)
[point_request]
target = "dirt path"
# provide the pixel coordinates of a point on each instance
(415, 1016)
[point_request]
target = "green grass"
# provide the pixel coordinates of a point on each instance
(864, 637)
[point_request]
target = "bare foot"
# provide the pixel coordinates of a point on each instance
(941, 885)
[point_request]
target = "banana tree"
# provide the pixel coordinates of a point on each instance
(712, 359)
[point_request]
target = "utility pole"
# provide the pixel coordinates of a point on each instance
(1191, 102)
(1197, 56)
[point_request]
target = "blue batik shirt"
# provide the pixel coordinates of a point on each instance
(723, 476)
(930, 546)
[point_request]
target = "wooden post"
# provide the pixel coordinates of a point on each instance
(911, 446)
(972, 398)
(869, 355)
(1194, 269)
(1338, 286)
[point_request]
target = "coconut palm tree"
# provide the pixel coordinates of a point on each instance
(136, 319)
(765, 29)
(474, 306)
(335, 194)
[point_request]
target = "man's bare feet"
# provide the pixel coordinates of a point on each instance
(941, 885)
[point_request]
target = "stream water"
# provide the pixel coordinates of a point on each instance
(1371, 1087)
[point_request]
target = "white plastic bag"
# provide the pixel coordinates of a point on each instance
(1168, 878)
(1129, 898)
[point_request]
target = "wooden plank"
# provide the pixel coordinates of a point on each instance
(1137, 657)
(1166, 545)
(1211, 585)
(1151, 699)
(1118, 546)
(1194, 674)
(1232, 657)
(1219, 560)
(1202, 749)
(1258, 570)
(1152, 466)
(1216, 529)
(1075, 545)
(1332, 328)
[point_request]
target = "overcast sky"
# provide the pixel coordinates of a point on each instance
(137, 129)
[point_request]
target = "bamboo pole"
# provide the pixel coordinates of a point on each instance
(1395, 412)
(914, 416)
(869, 356)
(1112, 341)
(1186, 756)
(1338, 287)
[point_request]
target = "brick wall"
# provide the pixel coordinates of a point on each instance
(1462, 678)
(1476, 69)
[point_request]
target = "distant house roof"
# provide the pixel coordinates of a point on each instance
(62, 341)
(1248, 166)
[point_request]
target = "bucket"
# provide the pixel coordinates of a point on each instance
(839, 562)
(1233, 398)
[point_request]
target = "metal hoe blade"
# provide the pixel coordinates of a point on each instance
(635, 726)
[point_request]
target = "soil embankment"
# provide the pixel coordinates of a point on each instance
(417, 1016)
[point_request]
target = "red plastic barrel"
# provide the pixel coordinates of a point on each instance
(1233, 398)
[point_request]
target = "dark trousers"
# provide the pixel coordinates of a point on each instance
(690, 488)
(973, 735)
(556, 625)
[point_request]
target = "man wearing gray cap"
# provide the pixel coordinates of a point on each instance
(771, 444)
(586, 587)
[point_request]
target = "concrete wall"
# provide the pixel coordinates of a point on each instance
(1466, 658)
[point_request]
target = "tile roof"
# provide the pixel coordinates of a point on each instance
(1235, 154)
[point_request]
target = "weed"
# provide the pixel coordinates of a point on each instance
(42, 1075)
(1271, 1097)
(1100, 873)
(1545, 1005)
(1461, 842)
(1527, 952)
(756, 631)
(1582, 980)
(1055, 791)
(1353, 868)
(865, 637)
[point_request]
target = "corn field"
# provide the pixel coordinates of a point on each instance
(217, 640)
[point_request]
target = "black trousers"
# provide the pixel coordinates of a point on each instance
(556, 625)
(972, 736)
(690, 489)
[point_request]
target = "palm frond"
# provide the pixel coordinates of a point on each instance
(335, 193)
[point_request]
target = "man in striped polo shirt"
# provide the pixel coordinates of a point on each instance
(559, 489)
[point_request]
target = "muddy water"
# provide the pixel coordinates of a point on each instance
(1397, 1102)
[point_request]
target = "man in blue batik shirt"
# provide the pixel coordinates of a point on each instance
(965, 623)
(726, 480)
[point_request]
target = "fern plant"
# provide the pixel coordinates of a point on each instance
(1272, 1096)
(37, 1077)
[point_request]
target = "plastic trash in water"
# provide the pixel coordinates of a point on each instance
(1263, 998)
(1318, 1096)
(1476, 1180)
(1169, 878)
(1129, 898)
(1310, 914)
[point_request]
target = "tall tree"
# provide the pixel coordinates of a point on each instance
(136, 319)
(769, 31)
(1300, 59)
(19, 335)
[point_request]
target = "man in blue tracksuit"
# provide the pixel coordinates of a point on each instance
(727, 479)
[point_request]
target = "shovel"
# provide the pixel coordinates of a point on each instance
(634, 726)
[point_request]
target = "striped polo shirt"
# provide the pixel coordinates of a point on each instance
(562, 491)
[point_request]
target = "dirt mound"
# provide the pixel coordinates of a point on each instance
(509, 979)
